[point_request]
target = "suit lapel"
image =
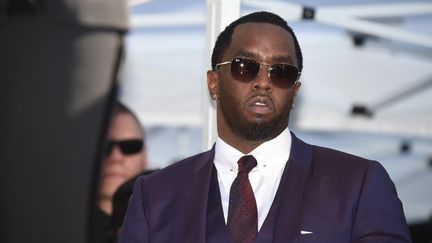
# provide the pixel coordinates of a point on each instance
(292, 187)
(195, 199)
(216, 230)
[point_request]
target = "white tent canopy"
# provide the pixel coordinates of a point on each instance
(169, 61)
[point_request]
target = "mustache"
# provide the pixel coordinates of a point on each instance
(261, 96)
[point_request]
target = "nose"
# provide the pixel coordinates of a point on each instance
(115, 155)
(263, 80)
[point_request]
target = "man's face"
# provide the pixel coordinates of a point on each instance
(117, 166)
(258, 110)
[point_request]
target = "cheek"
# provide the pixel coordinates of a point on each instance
(234, 91)
(134, 165)
(285, 100)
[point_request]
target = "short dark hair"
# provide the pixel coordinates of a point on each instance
(120, 108)
(224, 39)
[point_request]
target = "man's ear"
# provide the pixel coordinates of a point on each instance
(212, 83)
(296, 89)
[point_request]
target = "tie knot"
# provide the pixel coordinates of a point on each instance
(246, 163)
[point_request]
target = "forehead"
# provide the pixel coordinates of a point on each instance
(124, 126)
(262, 41)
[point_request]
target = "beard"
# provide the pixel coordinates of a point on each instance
(257, 129)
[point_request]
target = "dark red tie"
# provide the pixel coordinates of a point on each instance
(242, 210)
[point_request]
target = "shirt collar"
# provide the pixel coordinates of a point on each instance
(271, 155)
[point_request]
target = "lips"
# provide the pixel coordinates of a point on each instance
(260, 104)
(115, 174)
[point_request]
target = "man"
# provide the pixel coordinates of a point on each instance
(260, 183)
(126, 157)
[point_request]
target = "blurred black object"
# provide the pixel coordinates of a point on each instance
(421, 232)
(362, 110)
(102, 229)
(24, 7)
(59, 64)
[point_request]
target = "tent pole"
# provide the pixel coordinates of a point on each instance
(219, 14)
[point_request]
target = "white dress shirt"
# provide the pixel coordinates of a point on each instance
(271, 157)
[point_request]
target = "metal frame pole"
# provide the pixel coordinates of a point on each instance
(219, 14)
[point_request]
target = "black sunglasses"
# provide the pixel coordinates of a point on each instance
(246, 70)
(127, 147)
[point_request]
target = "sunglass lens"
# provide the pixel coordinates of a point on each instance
(244, 70)
(131, 146)
(283, 75)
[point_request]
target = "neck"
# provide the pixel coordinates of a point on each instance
(243, 145)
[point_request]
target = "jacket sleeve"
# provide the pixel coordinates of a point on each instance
(379, 216)
(135, 227)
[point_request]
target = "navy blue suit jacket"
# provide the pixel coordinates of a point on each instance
(336, 196)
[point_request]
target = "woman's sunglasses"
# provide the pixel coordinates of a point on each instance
(246, 70)
(127, 147)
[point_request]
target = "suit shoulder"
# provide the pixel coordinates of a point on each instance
(346, 172)
(167, 184)
(342, 163)
(178, 170)
(328, 155)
